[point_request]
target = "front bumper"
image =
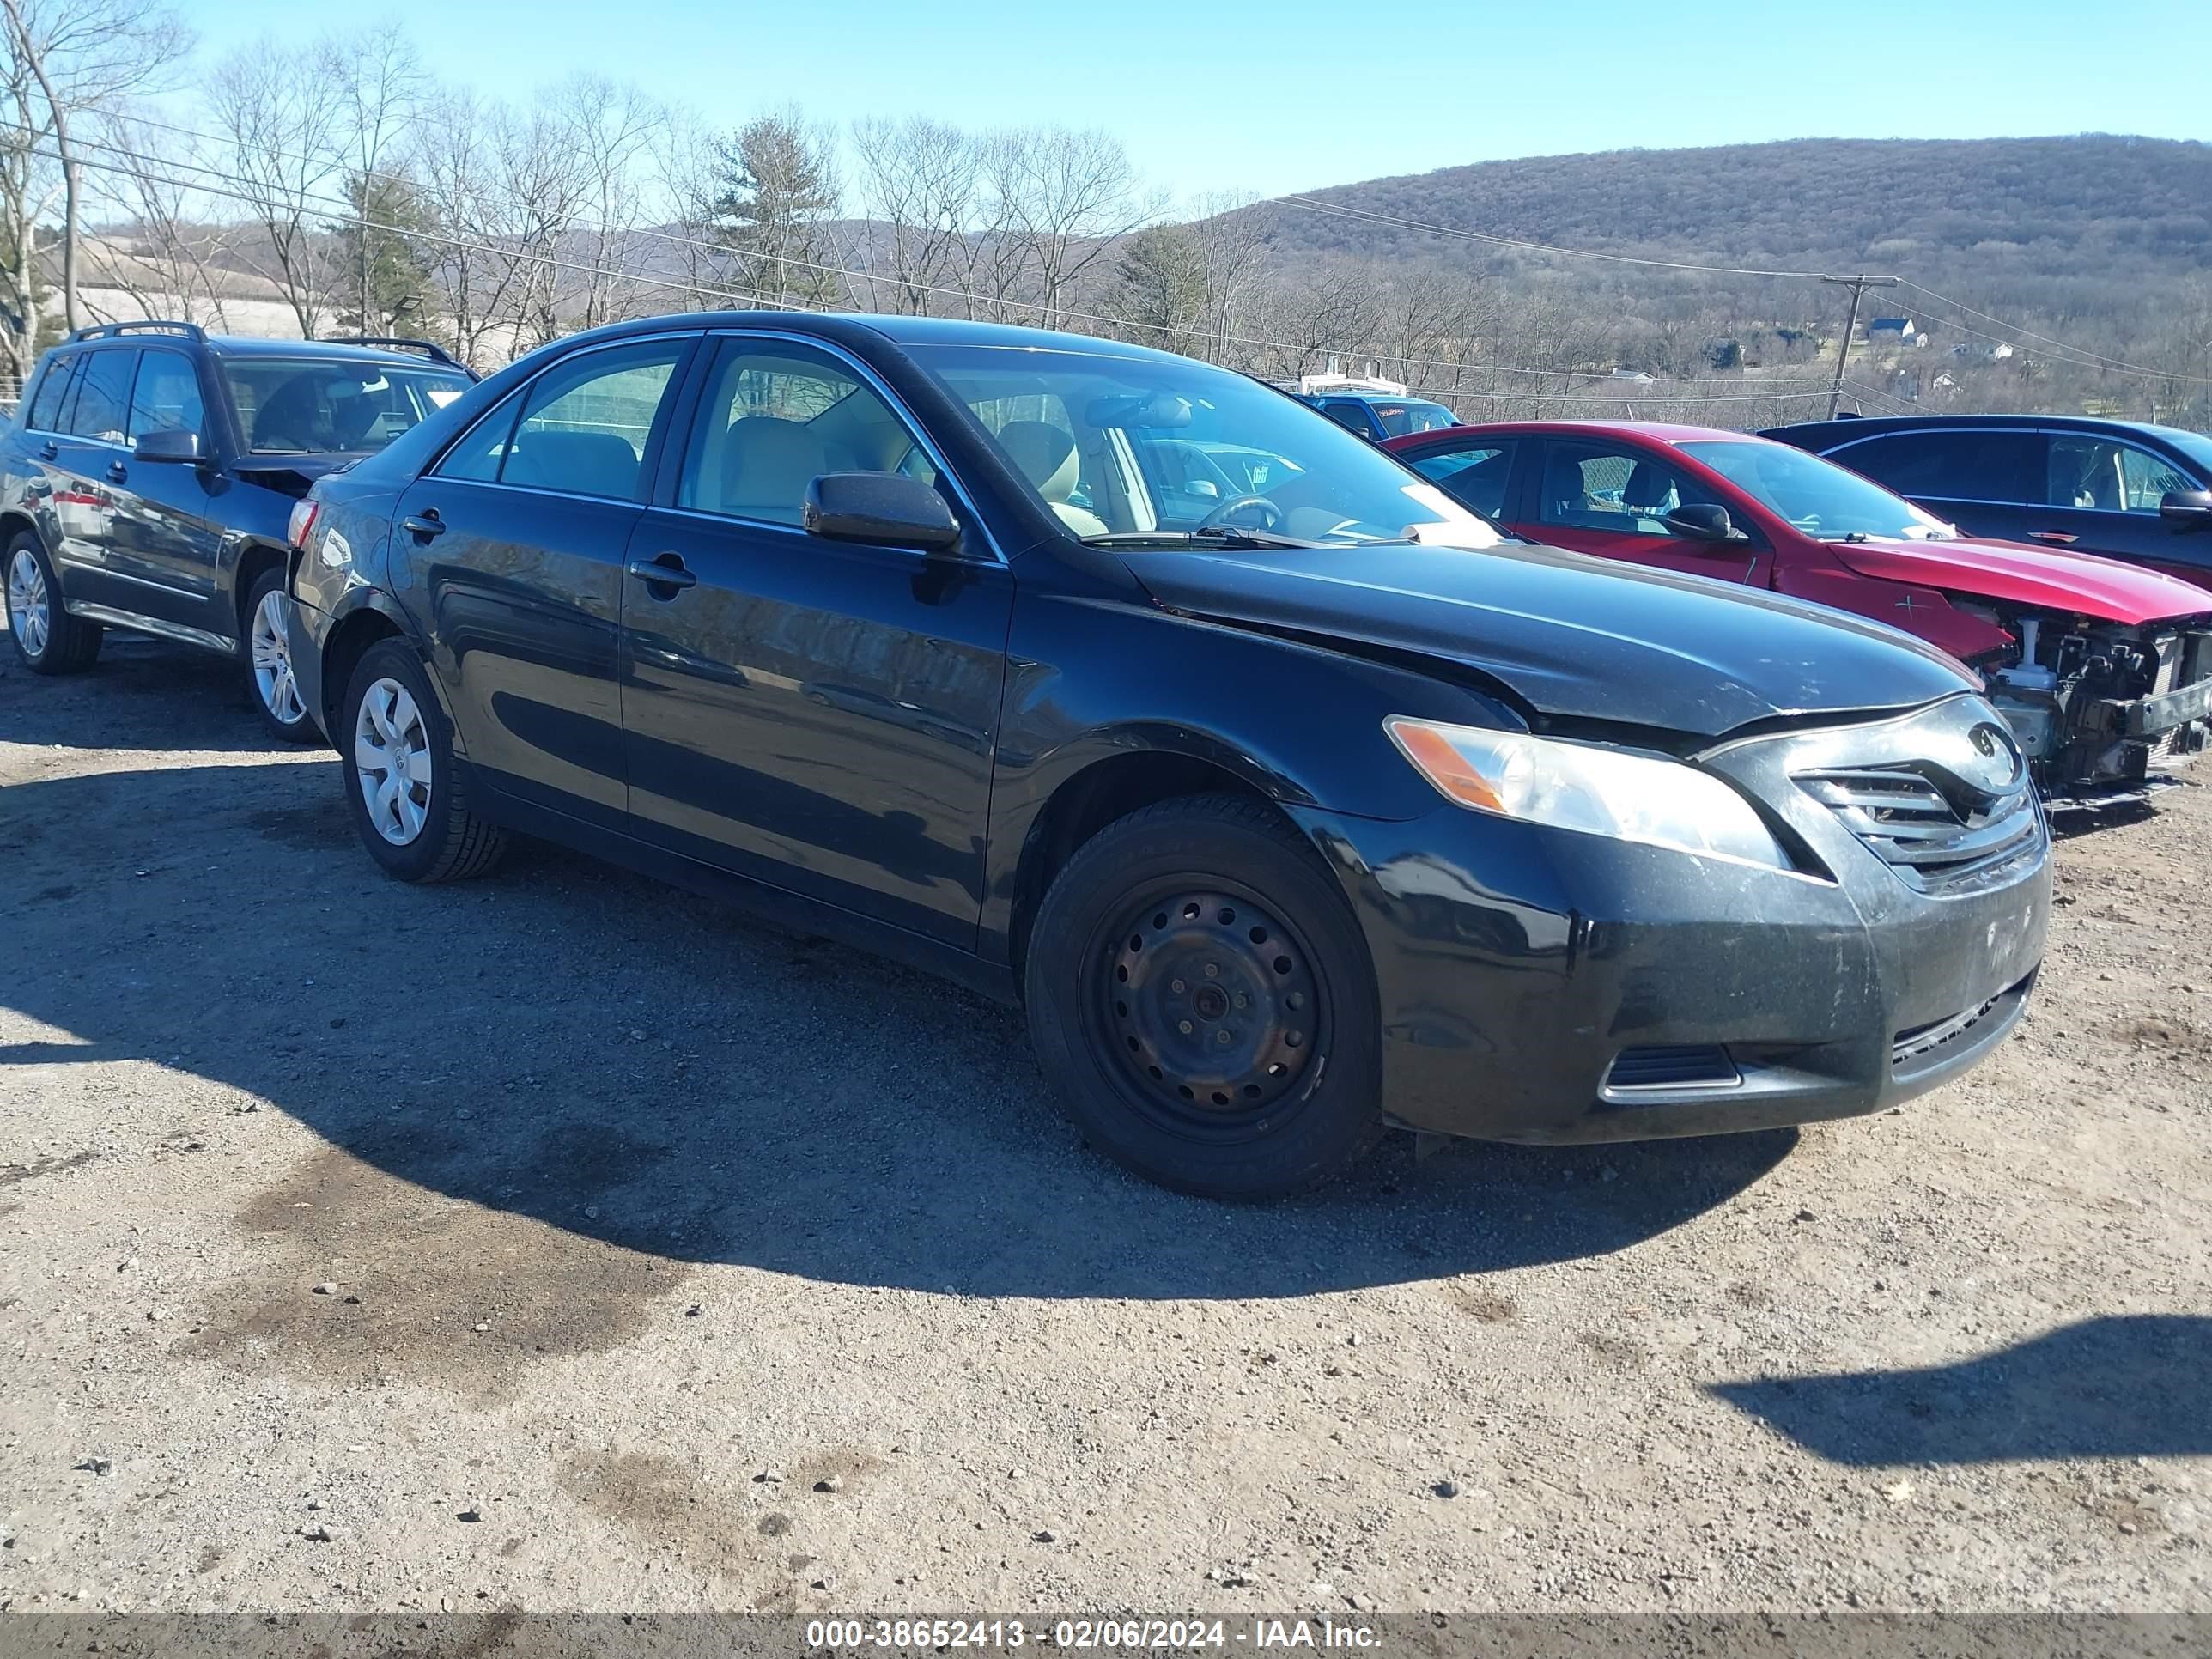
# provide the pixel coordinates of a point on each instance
(1537, 984)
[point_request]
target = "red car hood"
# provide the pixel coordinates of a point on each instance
(2042, 576)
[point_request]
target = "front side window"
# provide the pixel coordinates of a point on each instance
(166, 397)
(1474, 477)
(1612, 488)
(100, 408)
(1959, 466)
(588, 421)
(2110, 477)
(45, 411)
(1815, 495)
(776, 416)
(1353, 417)
(1117, 445)
(333, 405)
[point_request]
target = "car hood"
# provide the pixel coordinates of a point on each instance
(1576, 637)
(295, 475)
(2025, 574)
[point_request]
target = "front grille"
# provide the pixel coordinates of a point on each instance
(1705, 1066)
(1911, 824)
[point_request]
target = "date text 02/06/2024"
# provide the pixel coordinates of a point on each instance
(1127, 1634)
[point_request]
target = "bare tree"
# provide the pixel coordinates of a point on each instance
(918, 187)
(611, 130)
(282, 133)
(64, 60)
(1068, 195)
(172, 234)
(686, 168)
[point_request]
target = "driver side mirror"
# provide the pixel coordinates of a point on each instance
(2187, 509)
(1704, 521)
(174, 448)
(883, 508)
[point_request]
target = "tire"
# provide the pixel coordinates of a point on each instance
(434, 835)
(1217, 1033)
(46, 638)
(266, 652)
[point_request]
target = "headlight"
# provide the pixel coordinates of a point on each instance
(1579, 787)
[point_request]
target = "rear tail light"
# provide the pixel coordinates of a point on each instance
(304, 514)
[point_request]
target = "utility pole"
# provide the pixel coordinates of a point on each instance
(1858, 285)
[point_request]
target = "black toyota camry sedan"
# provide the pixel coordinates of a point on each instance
(1288, 799)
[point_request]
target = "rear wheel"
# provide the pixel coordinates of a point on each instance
(46, 638)
(269, 678)
(1201, 993)
(409, 801)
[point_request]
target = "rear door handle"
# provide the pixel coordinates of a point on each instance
(666, 571)
(2057, 537)
(48, 451)
(425, 525)
(118, 472)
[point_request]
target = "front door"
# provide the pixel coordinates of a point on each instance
(2102, 494)
(819, 715)
(511, 551)
(163, 537)
(1612, 498)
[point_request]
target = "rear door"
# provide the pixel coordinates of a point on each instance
(1610, 497)
(1476, 472)
(163, 539)
(819, 715)
(1985, 480)
(34, 454)
(2101, 495)
(511, 548)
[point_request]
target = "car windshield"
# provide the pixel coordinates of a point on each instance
(325, 406)
(1399, 419)
(1163, 449)
(1816, 495)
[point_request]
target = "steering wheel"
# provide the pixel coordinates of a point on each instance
(1220, 516)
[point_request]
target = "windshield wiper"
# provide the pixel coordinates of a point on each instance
(1229, 536)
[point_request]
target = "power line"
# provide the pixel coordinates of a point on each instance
(2085, 358)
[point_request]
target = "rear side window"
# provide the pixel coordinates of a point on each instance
(1474, 477)
(1959, 466)
(45, 414)
(101, 407)
(588, 421)
(167, 395)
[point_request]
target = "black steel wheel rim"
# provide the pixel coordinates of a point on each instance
(1210, 1007)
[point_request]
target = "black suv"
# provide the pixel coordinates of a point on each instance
(148, 482)
(1284, 813)
(2122, 489)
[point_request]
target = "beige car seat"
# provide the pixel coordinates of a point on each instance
(1045, 455)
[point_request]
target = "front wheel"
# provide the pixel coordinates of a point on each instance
(1201, 995)
(407, 798)
(268, 678)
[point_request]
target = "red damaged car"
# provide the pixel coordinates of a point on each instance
(2103, 669)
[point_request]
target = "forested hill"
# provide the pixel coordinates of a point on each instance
(2050, 223)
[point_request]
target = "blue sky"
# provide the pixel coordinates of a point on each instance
(1233, 96)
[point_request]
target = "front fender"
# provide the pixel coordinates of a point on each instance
(1092, 682)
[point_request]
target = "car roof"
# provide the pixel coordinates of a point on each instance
(240, 345)
(1665, 432)
(1334, 396)
(1867, 426)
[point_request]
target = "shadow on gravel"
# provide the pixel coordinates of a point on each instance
(2128, 1386)
(142, 693)
(619, 1060)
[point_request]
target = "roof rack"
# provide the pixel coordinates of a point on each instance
(1313, 385)
(108, 330)
(431, 349)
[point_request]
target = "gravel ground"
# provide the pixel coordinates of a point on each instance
(559, 1242)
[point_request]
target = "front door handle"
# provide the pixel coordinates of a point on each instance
(49, 451)
(666, 571)
(118, 472)
(2056, 537)
(425, 524)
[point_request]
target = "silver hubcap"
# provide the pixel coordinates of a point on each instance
(27, 611)
(392, 761)
(272, 663)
